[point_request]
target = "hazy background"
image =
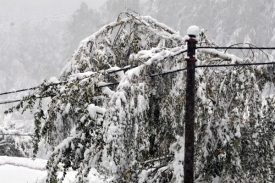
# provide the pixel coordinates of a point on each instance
(44, 7)
(37, 37)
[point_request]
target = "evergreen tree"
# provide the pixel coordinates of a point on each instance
(133, 132)
(13, 146)
(30, 50)
(228, 22)
(83, 23)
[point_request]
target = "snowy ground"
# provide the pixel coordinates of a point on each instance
(15, 174)
(24, 170)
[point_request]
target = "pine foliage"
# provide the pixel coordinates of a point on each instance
(133, 131)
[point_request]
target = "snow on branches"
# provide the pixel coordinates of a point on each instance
(129, 124)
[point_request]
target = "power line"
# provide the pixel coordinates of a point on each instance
(64, 82)
(232, 65)
(168, 72)
(13, 101)
(101, 86)
(153, 75)
(108, 72)
(9, 101)
(127, 68)
(180, 52)
(32, 88)
(157, 74)
(122, 69)
(106, 85)
(250, 132)
(237, 48)
(17, 91)
(6, 134)
(244, 132)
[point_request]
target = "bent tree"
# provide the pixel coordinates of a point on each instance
(118, 106)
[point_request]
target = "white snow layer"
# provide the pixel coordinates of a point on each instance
(93, 110)
(193, 30)
(37, 164)
(25, 170)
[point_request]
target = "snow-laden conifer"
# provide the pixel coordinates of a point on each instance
(133, 130)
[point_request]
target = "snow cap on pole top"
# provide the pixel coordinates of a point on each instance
(193, 31)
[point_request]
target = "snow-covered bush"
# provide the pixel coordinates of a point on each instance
(14, 144)
(133, 130)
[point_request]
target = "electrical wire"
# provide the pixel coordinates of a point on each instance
(32, 88)
(106, 85)
(122, 69)
(236, 48)
(246, 132)
(100, 86)
(180, 52)
(108, 72)
(157, 74)
(6, 134)
(153, 75)
(232, 65)
(9, 101)
(168, 72)
(17, 91)
(19, 100)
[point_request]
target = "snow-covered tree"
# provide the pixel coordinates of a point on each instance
(30, 50)
(14, 145)
(129, 124)
(82, 22)
(227, 21)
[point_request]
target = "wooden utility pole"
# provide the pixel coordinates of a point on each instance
(190, 111)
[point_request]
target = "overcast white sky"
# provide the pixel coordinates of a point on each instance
(44, 7)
